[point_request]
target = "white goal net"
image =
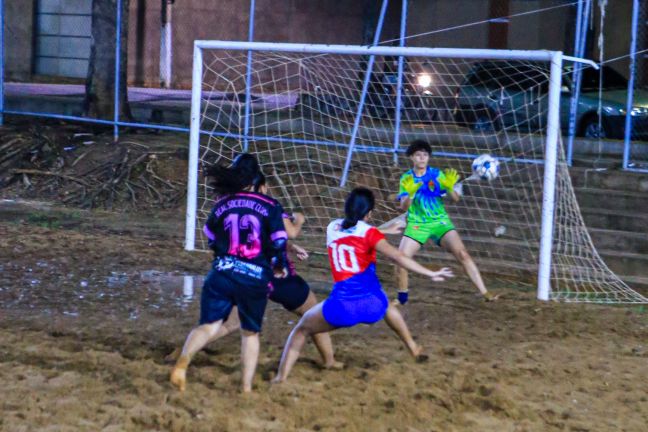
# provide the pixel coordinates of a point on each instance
(309, 115)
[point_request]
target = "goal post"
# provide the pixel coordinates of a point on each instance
(301, 109)
(549, 183)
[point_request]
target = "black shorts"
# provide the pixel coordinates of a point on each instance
(290, 292)
(223, 289)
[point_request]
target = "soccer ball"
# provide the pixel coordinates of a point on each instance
(485, 167)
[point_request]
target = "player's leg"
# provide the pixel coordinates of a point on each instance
(294, 294)
(226, 328)
(196, 340)
(251, 301)
(395, 321)
(311, 323)
(409, 247)
(249, 358)
(452, 243)
(215, 306)
(322, 340)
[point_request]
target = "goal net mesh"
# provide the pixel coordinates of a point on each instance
(304, 111)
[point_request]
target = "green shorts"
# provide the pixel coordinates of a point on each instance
(423, 232)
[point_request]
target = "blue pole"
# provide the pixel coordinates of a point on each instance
(1, 62)
(582, 21)
(117, 71)
(363, 96)
(248, 79)
(633, 54)
(579, 23)
(399, 85)
(572, 102)
(365, 149)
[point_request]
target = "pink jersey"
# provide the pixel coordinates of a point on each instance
(352, 251)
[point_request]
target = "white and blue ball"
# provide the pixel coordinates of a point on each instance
(485, 167)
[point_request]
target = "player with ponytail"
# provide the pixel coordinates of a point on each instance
(357, 296)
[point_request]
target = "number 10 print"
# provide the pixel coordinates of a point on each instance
(344, 258)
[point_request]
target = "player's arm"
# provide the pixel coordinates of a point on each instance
(448, 179)
(394, 226)
(293, 224)
(301, 253)
(209, 229)
(406, 191)
(278, 242)
(404, 203)
(408, 263)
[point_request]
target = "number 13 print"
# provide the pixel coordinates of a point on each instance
(236, 226)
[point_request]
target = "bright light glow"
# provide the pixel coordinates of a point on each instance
(424, 80)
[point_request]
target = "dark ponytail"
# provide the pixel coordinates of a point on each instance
(259, 181)
(243, 172)
(359, 202)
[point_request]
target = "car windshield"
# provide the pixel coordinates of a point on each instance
(612, 80)
(523, 77)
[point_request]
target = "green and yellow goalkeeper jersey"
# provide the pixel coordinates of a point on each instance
(427, 203)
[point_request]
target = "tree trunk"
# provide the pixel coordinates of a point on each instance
(100, 82)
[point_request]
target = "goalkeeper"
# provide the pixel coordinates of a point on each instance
(420, 194)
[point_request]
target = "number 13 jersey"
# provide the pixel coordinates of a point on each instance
(244, 226)
(352, 255)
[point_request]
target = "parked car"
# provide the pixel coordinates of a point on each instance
(502, 94)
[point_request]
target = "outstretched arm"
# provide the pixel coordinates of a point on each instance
(408, 263)
(294, 224)
(301, 253)
(448, 179)
(454, 196)
(404, 203)
(394, 226)
(407, 190)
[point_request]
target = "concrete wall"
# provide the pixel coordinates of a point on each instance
(539, 31)
(322, 21)
(318, 21)
(144, 43)
(426, 16)
(616, 40)
(19, 37)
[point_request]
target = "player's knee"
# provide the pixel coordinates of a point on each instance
(210, 329)
(463, 255)
(302, 329)
(305, 327)
(248, 333)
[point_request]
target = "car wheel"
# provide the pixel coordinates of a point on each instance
(484, 121)
(593, 130)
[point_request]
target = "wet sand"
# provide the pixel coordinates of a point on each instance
(90, 303)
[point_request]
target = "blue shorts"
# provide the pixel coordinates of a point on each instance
(340, 310)
(290, 292)
(223, 289)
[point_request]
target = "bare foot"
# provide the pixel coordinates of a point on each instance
(421, 358)
(179, 378)
(171, 358)
(334, 365)
(490, 297)
(179, 373)
(246, 389)
(278, 380)
(418, 355)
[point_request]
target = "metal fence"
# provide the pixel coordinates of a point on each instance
(42, 72)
